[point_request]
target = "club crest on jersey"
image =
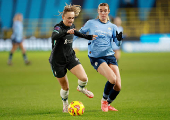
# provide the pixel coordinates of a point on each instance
(96, 63)
(57, 28)
(109, 28)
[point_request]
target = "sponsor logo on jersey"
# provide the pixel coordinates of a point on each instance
(68, 41)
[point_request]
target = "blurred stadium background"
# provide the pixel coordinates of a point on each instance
(146, 23)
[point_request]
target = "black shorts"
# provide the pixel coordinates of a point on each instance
(95, 62)
(14, 41)
(60, 71)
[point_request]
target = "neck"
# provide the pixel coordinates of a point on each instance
(103, 21)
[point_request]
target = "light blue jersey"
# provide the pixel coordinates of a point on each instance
(102, 45)
(17, 31)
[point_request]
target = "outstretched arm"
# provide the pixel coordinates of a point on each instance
(77, 33)
(89, 37)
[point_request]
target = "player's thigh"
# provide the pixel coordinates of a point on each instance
(79, 72)
(14, 47)
(107, 72)
(115, 69)
(63, 82)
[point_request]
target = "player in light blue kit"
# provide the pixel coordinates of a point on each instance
(101, 53)
(17, 38)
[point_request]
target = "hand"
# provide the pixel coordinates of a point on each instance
(71, 31)
(119, 36)
(94, 37)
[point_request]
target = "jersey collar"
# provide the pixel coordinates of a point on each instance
(103, 22)
(66, 27)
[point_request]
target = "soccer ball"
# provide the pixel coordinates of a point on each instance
(76, 108)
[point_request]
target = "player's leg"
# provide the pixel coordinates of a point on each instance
(107, 72)
(27, 62)
(117, 87)
(14, 47)
(64, 92)
(80, 73)
(60, 73)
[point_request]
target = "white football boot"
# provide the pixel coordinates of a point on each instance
(85, 91)
(65, 106)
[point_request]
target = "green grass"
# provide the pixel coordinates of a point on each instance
(32, 93)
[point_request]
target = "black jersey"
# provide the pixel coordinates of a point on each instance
(62, 50)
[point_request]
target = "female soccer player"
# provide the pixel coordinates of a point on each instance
(101, 53)
(63, 56)
(17, 38)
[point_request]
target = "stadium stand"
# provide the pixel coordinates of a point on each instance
(139, 16)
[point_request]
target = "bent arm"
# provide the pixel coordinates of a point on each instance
(89, 37)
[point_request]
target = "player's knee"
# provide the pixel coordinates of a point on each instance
(84, 78)
(112, 80)
(117, 87)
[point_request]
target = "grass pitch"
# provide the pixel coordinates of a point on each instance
(32, 93)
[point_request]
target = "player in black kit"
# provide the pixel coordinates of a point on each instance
(63, 56)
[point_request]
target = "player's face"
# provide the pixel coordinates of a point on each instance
(68, 18)
(20, 18)
(103, 12)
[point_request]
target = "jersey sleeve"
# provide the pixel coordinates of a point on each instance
(85, 28)
(58, 33)
(79, 34)
(118, 43)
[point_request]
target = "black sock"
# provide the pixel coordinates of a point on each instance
(107, 89)
(10, 56)
(112, 95)
(25, 57)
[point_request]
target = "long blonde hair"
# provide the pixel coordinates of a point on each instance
(104, 4)
(71, 8)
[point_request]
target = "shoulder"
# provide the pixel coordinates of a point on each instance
(91, 21)
(57, 26)
(113, 26)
